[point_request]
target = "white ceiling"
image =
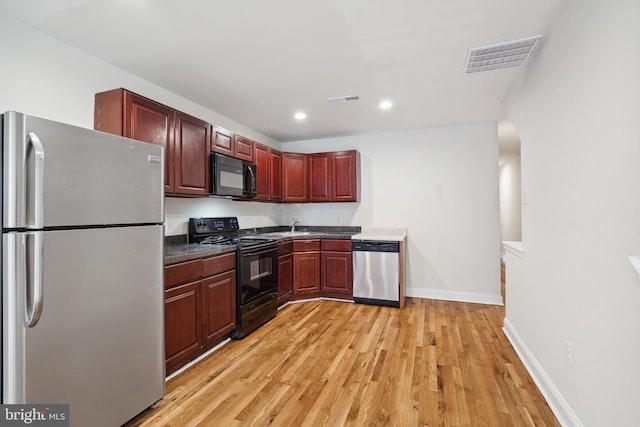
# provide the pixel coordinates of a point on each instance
(257, 62)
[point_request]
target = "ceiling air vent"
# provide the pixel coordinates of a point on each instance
(502, 55)
(343, 99)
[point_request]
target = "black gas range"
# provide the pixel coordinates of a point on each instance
(257, 269)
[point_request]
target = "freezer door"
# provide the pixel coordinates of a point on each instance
(60, 175)
(99, 342)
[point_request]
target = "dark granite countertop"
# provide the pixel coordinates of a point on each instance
(176, 248)
(181, 252)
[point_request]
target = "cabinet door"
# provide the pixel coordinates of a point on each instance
(191, 154)
(320, 177)
(219, 307)
(275, 170)
(306, 273)
(294, 177)
(285, 277)
(336, 273)
(345, 176)
(149, 121)
(222, 141)
(183, 324)
(261, 159)
(243, 148)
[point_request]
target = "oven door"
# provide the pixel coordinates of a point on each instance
(258, 273)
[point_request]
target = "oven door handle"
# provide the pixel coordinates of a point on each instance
(259, 252)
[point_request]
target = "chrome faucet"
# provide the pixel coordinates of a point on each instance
(294, 222)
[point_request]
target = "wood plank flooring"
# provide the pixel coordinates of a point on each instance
(327, 363)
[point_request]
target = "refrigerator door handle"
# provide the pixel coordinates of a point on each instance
(35, 283)
(38, 180)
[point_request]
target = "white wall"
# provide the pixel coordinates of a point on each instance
(576, 108)
(250, 214)
(44, 77)
(442, 185)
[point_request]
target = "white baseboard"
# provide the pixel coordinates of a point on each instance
(552, 395)
(193, 362)
(454, 296)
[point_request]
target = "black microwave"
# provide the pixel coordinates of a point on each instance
(232, 177)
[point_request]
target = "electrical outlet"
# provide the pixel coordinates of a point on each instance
(339, 220)
(570, 360)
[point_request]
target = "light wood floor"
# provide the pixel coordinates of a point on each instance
(433, 363)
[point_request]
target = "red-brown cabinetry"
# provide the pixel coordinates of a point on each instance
(345, 176)
(230, 144)
(320, 177)
(336, 268)
(285, 271)
(268, 170)
(334, 176)
(191, 156)
(200, 307)
(294, 178)
(306, 267)
(222, 141)
(275, 170)
(186, 139)
(243, 148)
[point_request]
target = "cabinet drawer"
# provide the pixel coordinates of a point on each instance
(218, 264)
(336, 245)
(285, 248)
(182, 273)
(306, 245)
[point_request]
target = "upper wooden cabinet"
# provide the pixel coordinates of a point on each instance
(263, 173)
(222, 141)
(334, 176)
(191, 156)
(345, 176)
(294, 178)
(268, 169)
(230, 144)
(320, 177)
(124, 113)
(243, 148)
(275, 168)
(186, 139)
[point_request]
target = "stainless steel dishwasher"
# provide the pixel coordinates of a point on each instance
(376, 272)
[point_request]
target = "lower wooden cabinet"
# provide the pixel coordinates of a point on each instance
(306, 273)
(306, 267)
(336, 268)
(322, 268)
(200, 307)
(219, 307)
(285, 272)
(336, 274)
(183, 324)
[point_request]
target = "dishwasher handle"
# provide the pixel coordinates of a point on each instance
(374, 246)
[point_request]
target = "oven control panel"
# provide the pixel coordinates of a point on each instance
(213, 225)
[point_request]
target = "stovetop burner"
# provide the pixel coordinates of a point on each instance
(222, 231)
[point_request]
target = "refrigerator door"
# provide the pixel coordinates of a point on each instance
(57, 175)
(99, 342)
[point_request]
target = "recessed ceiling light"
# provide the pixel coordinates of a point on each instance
(385, 105)
(300, 115)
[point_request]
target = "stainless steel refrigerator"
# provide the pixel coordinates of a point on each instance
(82, 270)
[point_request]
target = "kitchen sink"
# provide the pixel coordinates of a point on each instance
(289, 233)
